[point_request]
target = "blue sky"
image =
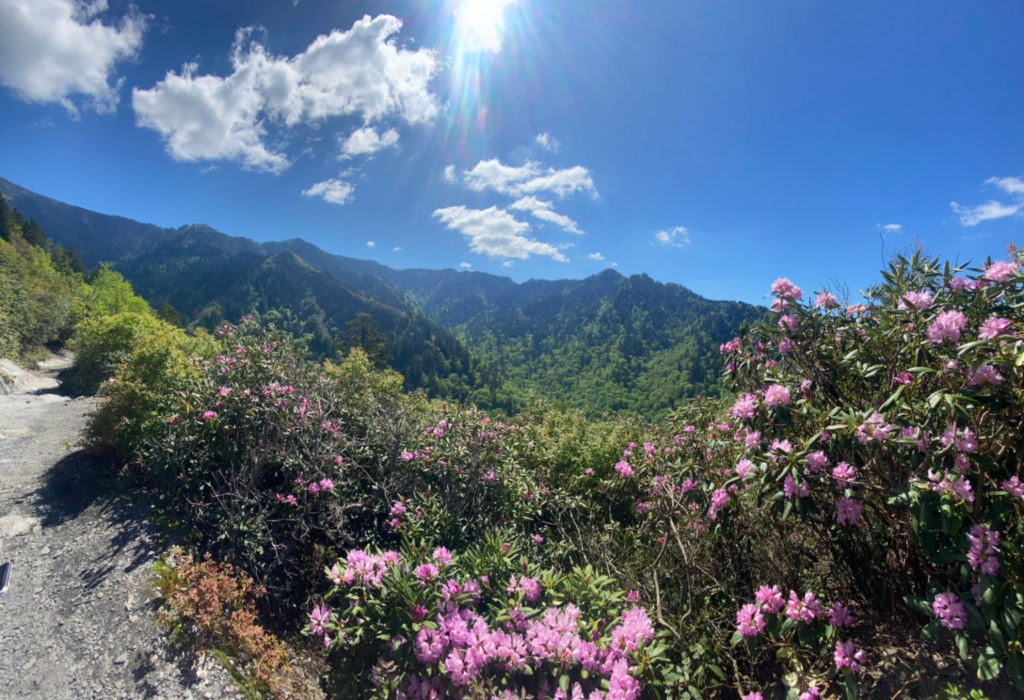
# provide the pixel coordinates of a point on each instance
(714, 143)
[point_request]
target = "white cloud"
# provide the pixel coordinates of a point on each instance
(529, 178)
(614, 264)
(972, 216)
(397, 248)
(677, 237)
(1010, 185)
(496, 233)
(366, 141)
(890, 228)
(596, 257)
(465, 265)
(508, 263)
(544, 211)
(333, 191)
(547, 143)
(371, 244)
(449, 174)
(360, 72)
(51, 50)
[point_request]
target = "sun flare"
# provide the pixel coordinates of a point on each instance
(481, 23)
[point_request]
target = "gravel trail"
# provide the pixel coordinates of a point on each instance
(78, 621)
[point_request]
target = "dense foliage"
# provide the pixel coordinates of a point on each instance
(862, 485)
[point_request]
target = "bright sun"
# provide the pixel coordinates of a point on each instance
(480, 23)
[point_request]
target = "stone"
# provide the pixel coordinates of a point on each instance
(122, 659)
(14, 525)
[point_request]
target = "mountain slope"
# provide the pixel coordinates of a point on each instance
(606, 343)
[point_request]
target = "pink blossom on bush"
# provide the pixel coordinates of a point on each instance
(319, 619)
(1014, 486)
(426, 573)
(326, 484)
(949, 611)
(789, 322)
(984, 547)
(745, 468)
(848, 511)
(398, 509)
(784, 288)
(826, 300)
(750, 621)
(844, 473)
(776, 394)
(745, 407)
(624, 469)
(985, 374)
(718, 500)
(839, 615)
(815, 462)
(804, 610)
(922, 301)
(209, 415)
(1000, 271)
(442, 556)
(846, 656)
(770, 599)
(947, 327)
(993, 327)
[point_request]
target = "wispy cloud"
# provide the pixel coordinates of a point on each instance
(333, 191)
(677, 237)
(548, 143)
(596, 257)
(496, 233)
(545, 212)
(993, 209)
(449, 173)
(397, 248)
(529, 178)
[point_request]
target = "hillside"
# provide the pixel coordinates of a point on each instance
(606, 343)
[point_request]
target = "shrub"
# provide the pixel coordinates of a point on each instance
(214, 609)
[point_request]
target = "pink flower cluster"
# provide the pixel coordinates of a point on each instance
(782, 287)
(949, 611)
(364, 569)
(1000, 271)
(846, 656)
(983, 551)
(947, 327)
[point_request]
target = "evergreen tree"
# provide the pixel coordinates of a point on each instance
(6, 219)
(168, 313)
(32, 233)
(364, 332)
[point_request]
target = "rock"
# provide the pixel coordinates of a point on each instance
(44, 551)
(122, 659)
(13, 525)
(30, 664)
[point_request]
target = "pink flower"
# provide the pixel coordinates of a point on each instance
(947, 327)
(538, 539)
(314, 487)
(745, 407)
(442, 556)
(753, 696)
(848, 511)
(984, 547)
(781, 446)
(426, 572)
(786, 346)
(745, 468)
(752, 439)
(209, 415)
(718, 500)
(844, 473)
(789, 323)
(624, 469)
(1014, 487)
(846, 656)
(770, 599)
(993, 327)
(949, 611)
(904, 378)
(826, 300)
(319, 619)
(776, 394)
(985, 374)
(784, 288)
(732, 346)
(805, 610)
(750, 621)
(291, 500)
(1000, 271)
(839, 615)
(922, 301)
(398, 509)
(633, 597)
(224, 391)
(326, 484)
(815, 462)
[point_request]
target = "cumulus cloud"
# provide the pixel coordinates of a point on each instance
(371, 244)
(397, 248)
(449, 174)
(530, 178)
(677, 237)
(496, 233)
(360, 72)
(546, 142)
(596, 257)
(465, 265)
(890, 228)
(333, 191)
(993, 209)
(53, 50)
(545, 212)
(366, 141)
(508, 263)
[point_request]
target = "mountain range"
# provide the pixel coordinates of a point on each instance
(604, 343)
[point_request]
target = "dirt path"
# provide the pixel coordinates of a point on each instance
(78, 620)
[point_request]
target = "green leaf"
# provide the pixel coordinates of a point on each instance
(988, 665)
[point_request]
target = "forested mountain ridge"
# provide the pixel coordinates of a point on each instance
(606, 343)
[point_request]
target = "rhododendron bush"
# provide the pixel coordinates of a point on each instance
(863, 482)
